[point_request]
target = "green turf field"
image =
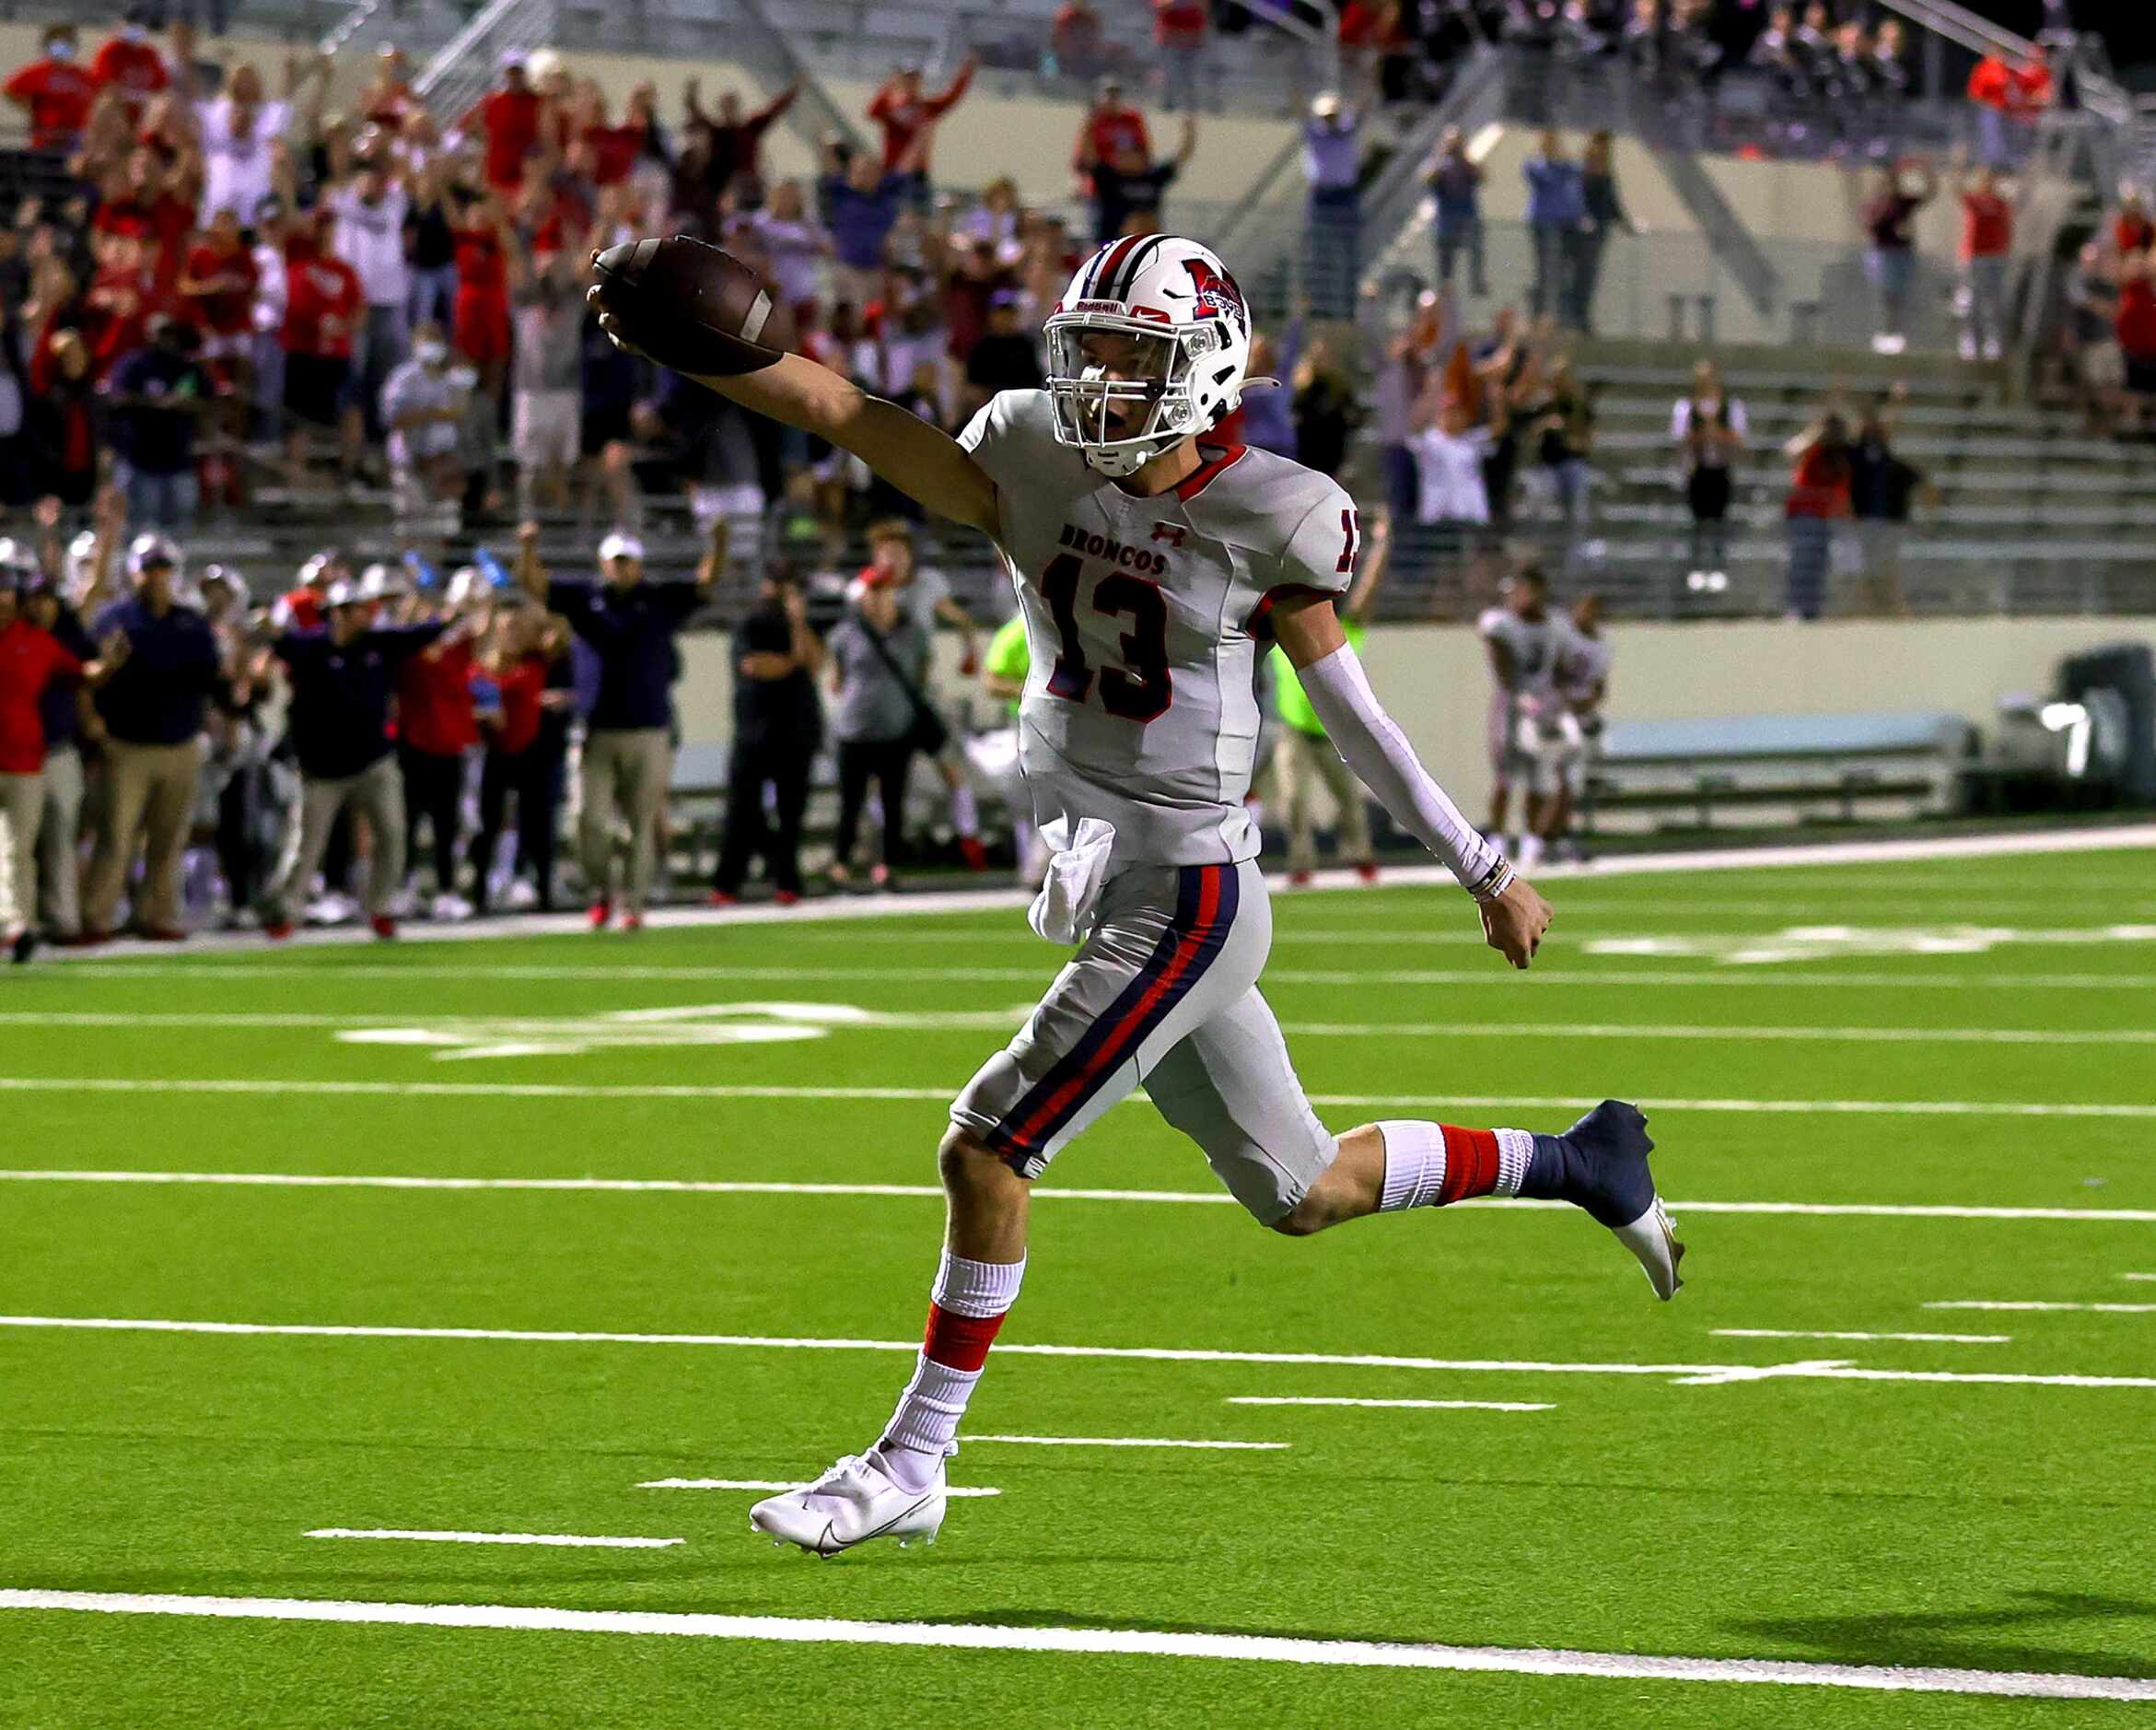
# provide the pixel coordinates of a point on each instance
(1952, 1035)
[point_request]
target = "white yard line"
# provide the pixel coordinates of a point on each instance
(1107, 1642)
(559, 1540)
(1126, 1442)
(778, 1485)
(1389, 1405)
(930, 1192)
(1803, 974)
(1689, 1033)
(2094, 1309)
(1814, 1333)
(2137, 1276)
(724, 1090)
(1818, 1370)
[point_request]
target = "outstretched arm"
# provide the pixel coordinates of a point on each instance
(923, 462)
(1371, 742)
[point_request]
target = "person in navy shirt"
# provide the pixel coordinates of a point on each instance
(153, 709)
(630, 626)
(343, 678)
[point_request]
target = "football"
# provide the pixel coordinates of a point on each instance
(689, 306)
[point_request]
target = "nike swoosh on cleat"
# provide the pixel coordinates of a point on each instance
(879, 1532)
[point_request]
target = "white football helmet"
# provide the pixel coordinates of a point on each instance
(1148, 346)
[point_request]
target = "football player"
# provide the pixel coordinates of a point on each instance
(1152, 563)
(1520, 637)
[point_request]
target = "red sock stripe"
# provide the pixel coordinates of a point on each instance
(1470, 1163)
(961, 1342)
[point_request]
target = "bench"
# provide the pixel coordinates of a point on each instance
(1682, 773)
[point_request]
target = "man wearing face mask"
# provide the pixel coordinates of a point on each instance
(130, 61)
(422, 407)
(55, 92)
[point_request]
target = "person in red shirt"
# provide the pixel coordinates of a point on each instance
(483, 291)
(129, 63)
(323, 304)
(436, 726)
(508, 120)
(122, 298)
(1110, 128)
(1987, 237)
(1075, 36)
(302, 608)
(55, 91)
(1179, 32)
(217, 287)
(2136, 323)
(510, 689)
(901, 110)
(31, 661)
(1819, 496)
(2131, 227)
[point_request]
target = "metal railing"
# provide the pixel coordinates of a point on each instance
(456, 77)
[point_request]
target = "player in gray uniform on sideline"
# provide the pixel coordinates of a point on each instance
(1151, 562)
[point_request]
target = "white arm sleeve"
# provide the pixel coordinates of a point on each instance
(1371, 742)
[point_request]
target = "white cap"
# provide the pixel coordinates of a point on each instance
(151, 549)
(344, 593)
(621, 544)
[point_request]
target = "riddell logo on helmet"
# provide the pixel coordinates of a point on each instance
(1218, 296)
(1093, 306)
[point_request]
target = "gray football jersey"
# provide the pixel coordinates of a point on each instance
(1145, 618)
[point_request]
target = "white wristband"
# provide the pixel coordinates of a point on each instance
(1371, 742)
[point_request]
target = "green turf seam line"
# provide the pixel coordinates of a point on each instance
(1104, 1641)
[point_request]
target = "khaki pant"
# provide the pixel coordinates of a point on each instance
(59, 852)
(626, 771)
(376, 795)
(1302, 761)
(22, 804)
(148, 801)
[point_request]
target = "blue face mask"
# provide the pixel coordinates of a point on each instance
(61, 50)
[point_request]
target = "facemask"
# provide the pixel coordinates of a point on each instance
(131, 32)
(62, 50)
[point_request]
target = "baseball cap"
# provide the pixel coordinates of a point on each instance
(620, 544)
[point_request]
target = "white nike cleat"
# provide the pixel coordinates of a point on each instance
(852, 1503)
(1651, 1239)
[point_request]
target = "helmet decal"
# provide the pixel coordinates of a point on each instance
(1218, 296)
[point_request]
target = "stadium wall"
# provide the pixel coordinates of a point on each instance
(1436, 682)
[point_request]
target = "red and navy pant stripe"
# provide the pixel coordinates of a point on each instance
(1205, 914)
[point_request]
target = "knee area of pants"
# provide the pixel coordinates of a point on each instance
(964, 1164)
(1305, 1219)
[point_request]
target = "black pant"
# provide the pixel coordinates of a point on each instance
(237, 856)
(783, 766)
(534, 776)
(887, 760)
(434, 788)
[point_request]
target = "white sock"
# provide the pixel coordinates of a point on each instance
(966, 812)
(1531, 849)
(923, 1432)
(1416, 1164)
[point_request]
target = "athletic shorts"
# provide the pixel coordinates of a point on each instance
(1162, 992)
(543, 427)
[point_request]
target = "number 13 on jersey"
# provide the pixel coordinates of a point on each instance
(1139, 688)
